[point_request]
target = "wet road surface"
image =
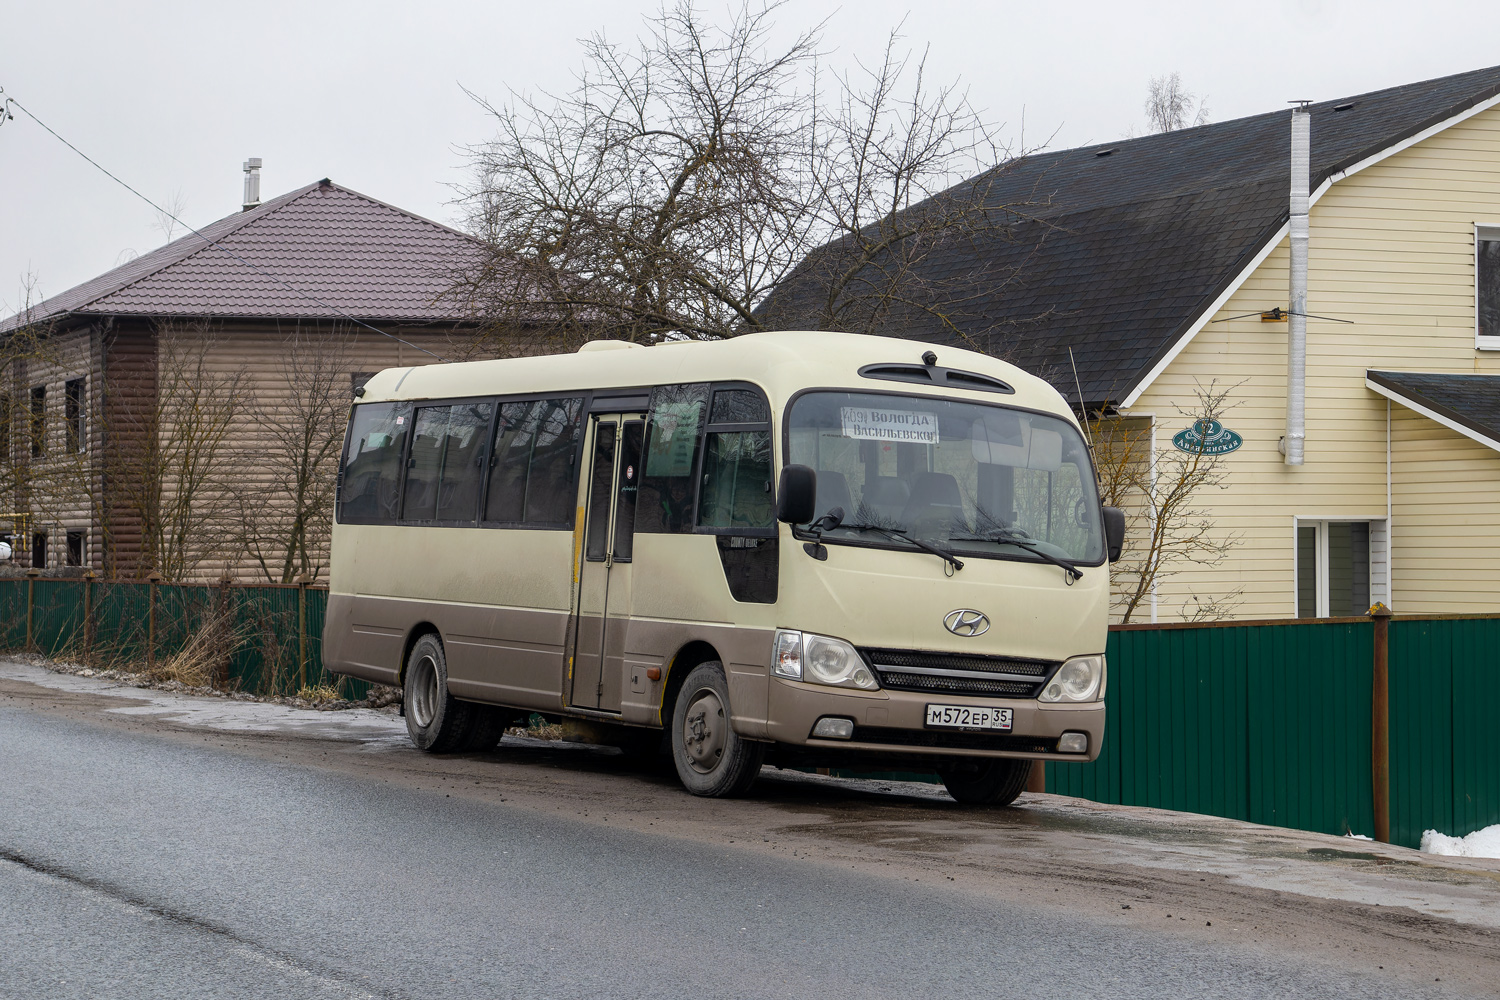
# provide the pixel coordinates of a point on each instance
(141, 860)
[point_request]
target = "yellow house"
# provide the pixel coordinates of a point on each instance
(1145, 272)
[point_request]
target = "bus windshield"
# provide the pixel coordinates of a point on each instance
(975, 479)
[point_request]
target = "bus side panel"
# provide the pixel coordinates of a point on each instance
(509, 656)
(744, 652)
(680, 595)
(371, 654)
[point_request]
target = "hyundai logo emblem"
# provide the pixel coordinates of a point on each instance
(966, 622)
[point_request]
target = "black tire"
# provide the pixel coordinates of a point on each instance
(986, 782)
(435, 720)
(487, 727)
(711, 759)
(644, 749)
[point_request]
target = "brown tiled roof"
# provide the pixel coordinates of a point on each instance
(315, 253)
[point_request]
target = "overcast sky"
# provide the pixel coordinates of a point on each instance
(173, 96)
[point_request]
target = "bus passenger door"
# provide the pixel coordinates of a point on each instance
(604, 567)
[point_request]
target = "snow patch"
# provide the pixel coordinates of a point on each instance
(1479, 844)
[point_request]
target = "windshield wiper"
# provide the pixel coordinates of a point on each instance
(901, 535)
(1021, 541)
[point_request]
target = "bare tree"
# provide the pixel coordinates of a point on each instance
(286, 514)
(1161, 492)
(1171, 106)
(171, 453)
(685, 177)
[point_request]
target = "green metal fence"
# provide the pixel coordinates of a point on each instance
(1274, 722)
(263, 639)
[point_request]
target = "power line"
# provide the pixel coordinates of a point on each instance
(5, 116)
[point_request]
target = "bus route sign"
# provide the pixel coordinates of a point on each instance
(1207, 437)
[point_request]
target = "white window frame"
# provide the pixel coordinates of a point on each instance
(1487, 231)
(1380, 558)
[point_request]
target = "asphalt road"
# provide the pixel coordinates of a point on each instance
(138, 863)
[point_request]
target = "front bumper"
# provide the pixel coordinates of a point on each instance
(893, 722)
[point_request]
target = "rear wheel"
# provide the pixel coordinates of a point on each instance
(986, 782)
(711, 759)
(435, 720)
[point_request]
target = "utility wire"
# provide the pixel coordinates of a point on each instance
(5, 116)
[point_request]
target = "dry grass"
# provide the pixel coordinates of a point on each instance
(537, 728)
(203, 661)
(320, 694)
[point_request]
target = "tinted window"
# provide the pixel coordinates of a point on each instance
(425, 462)
(446, 464)
(533, 471)
(737, 481)
(672, 441)
(739, 406)
(630, 480)
(371, 481)
(599, 488)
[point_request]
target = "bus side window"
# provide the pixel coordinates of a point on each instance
(424, 464)
(534, 468)
(371, 483)
(737, 481)
(674, 437)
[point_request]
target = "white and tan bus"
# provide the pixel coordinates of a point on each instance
(799, 549)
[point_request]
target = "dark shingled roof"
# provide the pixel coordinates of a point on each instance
(343, 251)
(1472, 401)
(1128, 249)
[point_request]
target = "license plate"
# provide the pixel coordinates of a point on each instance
(968, 717)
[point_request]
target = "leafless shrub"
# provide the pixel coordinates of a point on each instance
(284, 505)
(1167, 525)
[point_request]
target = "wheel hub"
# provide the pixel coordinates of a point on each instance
(704, 732)
(424, 692)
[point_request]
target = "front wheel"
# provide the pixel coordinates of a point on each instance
(986, 782)
(711, 759)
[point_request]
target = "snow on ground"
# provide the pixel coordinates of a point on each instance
(369, 726)
(1479, 844)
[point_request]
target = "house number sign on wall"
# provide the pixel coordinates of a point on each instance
(1208, 437)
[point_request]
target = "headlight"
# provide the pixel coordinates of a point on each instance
(1079, 679)
(802, 656)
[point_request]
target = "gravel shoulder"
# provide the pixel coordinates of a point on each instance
(1429, 919)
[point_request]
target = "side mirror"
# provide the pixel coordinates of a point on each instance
(1114, 532)
(797, 497)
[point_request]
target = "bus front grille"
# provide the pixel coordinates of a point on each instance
(957, 685)
(959, 673)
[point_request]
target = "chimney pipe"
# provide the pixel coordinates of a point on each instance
(1296, 359)
(252, 183)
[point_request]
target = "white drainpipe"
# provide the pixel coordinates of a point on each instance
(1296, 360)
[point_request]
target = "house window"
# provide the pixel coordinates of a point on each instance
(75, 548)
(39, 549)
(1487, 286)
(1333, 568)
(73, 414)
(38, 421)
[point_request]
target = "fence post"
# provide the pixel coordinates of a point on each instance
(302, 581)
(88, 614)
(1380, 724)
(31, 575)
(153, 578)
